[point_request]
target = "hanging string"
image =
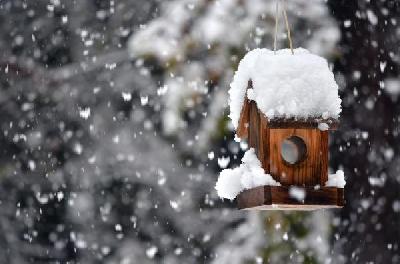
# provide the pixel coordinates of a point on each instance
(276, 24)
(286, 23)
(287, 27)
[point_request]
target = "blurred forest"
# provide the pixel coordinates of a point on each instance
(114, 127)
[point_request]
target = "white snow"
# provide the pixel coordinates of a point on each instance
(126, 96)
(84, 112)
(323, 126)
(392, 87)
(144, 100)
(336, 180)
(285, 85)
(162, 37)
(78, 148)
(32, 165)
(297, 193)
(248, 175)
(377, 181)
(223, 162)
(372, 18)
(151, 252)
(347, 23)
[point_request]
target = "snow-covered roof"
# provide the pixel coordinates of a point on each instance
(285, 85)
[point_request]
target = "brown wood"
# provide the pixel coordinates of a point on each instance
(254, 127)
(258, 135)
(278, 198)
(313, 170)
(265, 141)
(243, 125)
(324, 155)
(242, 129)
(302, 123)
(309, 172)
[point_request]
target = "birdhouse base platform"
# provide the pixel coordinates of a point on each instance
(279, 198)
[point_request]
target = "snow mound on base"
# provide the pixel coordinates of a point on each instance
(285, 85)
(248, 175)
(336, 180)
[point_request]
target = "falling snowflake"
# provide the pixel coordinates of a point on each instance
(126, 96)
(84, 112)
(223, 162)
(151, 252)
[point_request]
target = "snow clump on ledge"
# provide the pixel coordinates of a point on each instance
(248, 175)
(336, 180)
(285, 85)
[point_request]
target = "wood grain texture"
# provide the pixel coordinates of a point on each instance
(243, 125)
(324, 154)
(258, 135)
(309, 172)
(278, 198)
(265, 141)
(242, 130)
(303, 123)
(254, 127)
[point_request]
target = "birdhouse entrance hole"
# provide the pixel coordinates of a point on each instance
(293, 150)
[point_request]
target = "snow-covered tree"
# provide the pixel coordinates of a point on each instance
(114, 127)
(196, 46)
(367, 145)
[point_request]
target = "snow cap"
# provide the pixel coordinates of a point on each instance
(285, 85)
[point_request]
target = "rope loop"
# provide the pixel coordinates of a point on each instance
(286, 23)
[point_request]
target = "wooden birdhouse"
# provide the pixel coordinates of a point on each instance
(295, 153)
(288, 128)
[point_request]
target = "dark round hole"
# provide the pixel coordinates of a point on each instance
(293, 150)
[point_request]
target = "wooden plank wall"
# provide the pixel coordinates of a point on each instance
(253, 131)
(243, 125)
(258, 135)
(313, 169)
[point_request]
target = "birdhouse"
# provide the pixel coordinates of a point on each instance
(284, 106)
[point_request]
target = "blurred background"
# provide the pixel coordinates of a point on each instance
(114, 128)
